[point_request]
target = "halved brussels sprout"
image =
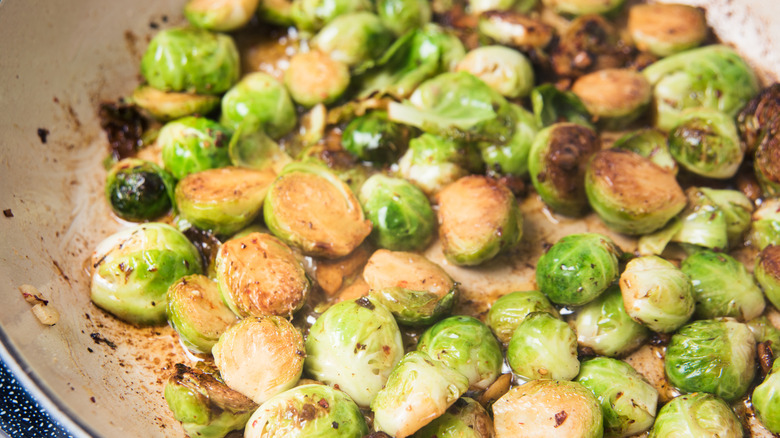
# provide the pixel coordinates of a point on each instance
(548, 408)
(767, 274)
(256, 150)
(666, 29)
(511, 157)
(767, 165)
(193, 144)
(552, 106)
(505, 70)
(204, 404)
(557, 163)
(698, 415)
(191, 60)
(353, 38)
(401, 214)
(220, 15)
(736, 208)
(310, 208)
(604, 326)
(705, 142)
(766, 401)
(401, 16)
(466, 418)
(133, 268)
(582, 7)
(510, 310)
(764, 331)
(657, 294)
(372, 137)
(196, 311)
(713, 77)
(578, 268)
(514, 29)
(169, 105)
(259, 102)
(315, 77)
(478, 219)
(416, 290)
(139, 190)
(312, 15)
(651, 144)
(759, 117)
(308, 411)
(467, 346)
(765, 225)
(354, 346)
(418, 390)
(614, 96)
(543, 347)
(259, 275)
(628, 402)
(715, 356)
(223, 200)
(260, 357)
(722, 286)
(433, 162)
(630, 193)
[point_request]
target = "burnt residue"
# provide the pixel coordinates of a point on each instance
(99, 339)
(365, 302)
(765, 357)
(8, 213)
(207, 244)
(560, 418)
(660, 339)
(570, 148)
(124, 126)
(60, 271)
(43, 134)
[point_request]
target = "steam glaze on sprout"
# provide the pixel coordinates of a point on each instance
(417, 291)
(616, 97)
(514, 29)
(510, 310)
(543, 347)
(630, 193)
(548, 409)
(557, 163)
(650, 143)
(169, 105)
(765, 226)
(373, 138)
(478, 219)
(315, 77)
(401, 16)
(505, 70)
(767, 272)
(133, 268)
(697, 415)
(705, 142)
(259, 275)
(465, 418)
(765, 399)
(193, 144)
(353, 38)
(259, 102)
(666, 29)
(220, 15)
(310, 208)
(139, 190)
(354, 345)
(260, 357)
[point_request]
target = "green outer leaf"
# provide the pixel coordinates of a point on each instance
(511, 157)
(698, 415)
(552, 106)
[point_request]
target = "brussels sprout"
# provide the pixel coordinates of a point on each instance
(543, 347)
(657, 294)
(764, 331)
(416, 290)
(478, 219)
(139, 190)
(615, 96)
(701, 223)
(401, 16)
(589, 43)
(256, 150)
(582, 7)
(514, 29)
(312, 15)
(722, 287)
(433, 162)
(715, 356)
(467, 346)
(205, 405)
(402, 217)
(736, 208)
(511, 157)
(196, 311)
(630, 193)
(666, 29)
(466, 418)
(510, 310)
(760, 117)
(713, 77)
(133, 268)
(697, 415)
(765, 225)
(604, 326)
(505, 70)
(259, 102)
(223, 200)
(766, 401)
(220, 15)
(191, 60)
(578, 268)
(260, 357)
(354, 345)
(557, 162)
(354, 38)
(705, 142)
(628, 402)
(277, 12)
(553, 106)
(767, 273)
(767, 165)
(651, 144)
(308, 411)
(259, 275)
(548, 408)
(169, 105)
(372, 137)
(310, 208)
(418, 390)
(193, 144)
(315, 77)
